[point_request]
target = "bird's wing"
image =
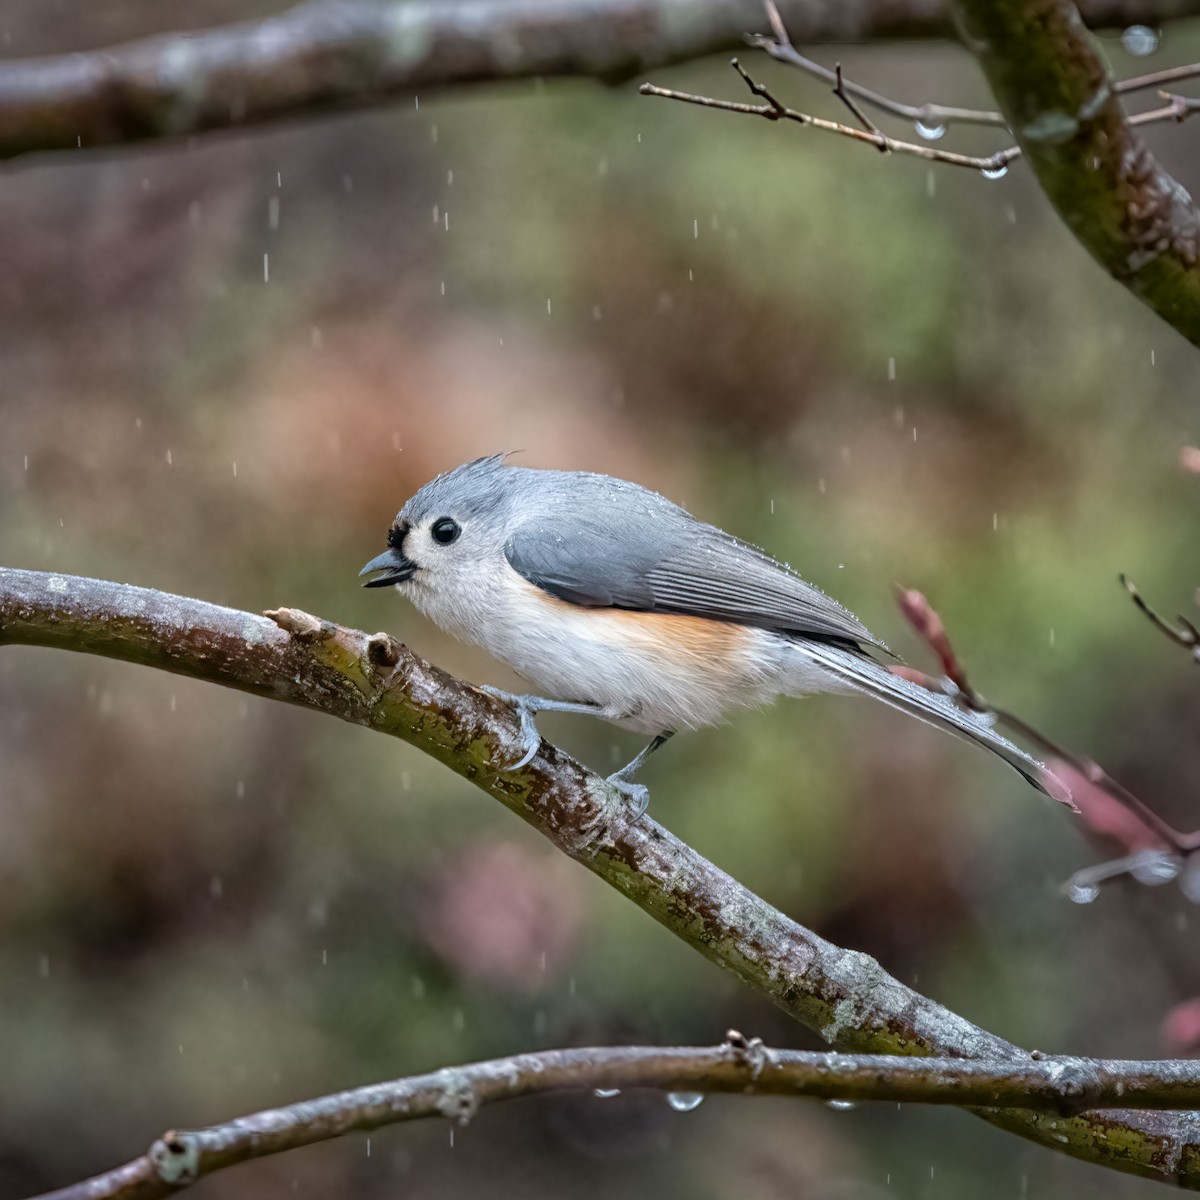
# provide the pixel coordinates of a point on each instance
(638, 551)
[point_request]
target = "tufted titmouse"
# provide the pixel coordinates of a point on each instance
(615, 602)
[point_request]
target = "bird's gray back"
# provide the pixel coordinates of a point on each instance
(597, 541)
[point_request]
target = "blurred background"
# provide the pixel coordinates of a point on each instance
(224, 366)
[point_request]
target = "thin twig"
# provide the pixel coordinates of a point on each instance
(740, 1065)
(1185, 634)
(840, 92)
(1141, 83)
(780, 48)
(936, 117)
(774, 110)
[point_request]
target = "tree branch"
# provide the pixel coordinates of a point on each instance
(333, 54)
(740, 1066)
(775, 110)
(375, 681)
(1053, 87)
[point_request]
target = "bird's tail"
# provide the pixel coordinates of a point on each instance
(861, 674)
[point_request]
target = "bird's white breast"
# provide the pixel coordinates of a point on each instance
(665, 671)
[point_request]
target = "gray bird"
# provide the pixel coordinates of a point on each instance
(613, 601)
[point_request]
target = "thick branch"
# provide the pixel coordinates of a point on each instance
(1055, 92)
(327, 55)
(739, 1066)
(374, 681)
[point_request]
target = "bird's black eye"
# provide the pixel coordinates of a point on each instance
(444, 531)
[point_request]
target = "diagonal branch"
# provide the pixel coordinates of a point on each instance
(328, 55)
(374, 681)
(740, 1065)
(1136, 220)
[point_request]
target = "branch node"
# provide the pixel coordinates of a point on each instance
(176, 1157)
(301, 625)
(383, 650)
(458, 1101)
(777, 109)
(750, 1053)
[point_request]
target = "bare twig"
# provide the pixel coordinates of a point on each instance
(740, 1065)
(780, 47)
(1155, 864)
(377, 682)
(932, 119)
(1185, 634)
(1141, 83)
(840, 92)
(774, 110)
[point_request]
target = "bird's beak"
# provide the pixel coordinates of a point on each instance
(395, 567)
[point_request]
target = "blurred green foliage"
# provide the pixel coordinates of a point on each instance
(226, 365)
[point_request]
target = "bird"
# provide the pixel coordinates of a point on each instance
(613, 601)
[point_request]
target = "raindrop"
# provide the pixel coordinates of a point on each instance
(930, 133)
(1082, 893)
(266, 268)
(998, 173)
(685, 1101)
(606, 1093)
(840, 1105)
(1140, 40)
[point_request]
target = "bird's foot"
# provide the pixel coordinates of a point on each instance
(622, 780)
(527, 708)
(638, 794)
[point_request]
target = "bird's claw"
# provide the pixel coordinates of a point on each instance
(529, 731)
(637, 793)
